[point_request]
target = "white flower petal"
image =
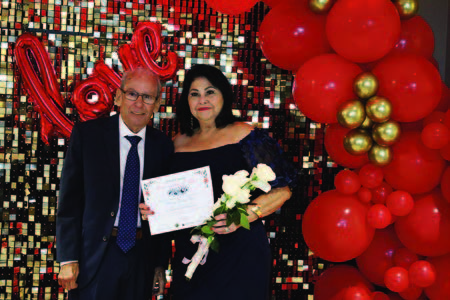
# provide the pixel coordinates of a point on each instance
(264, 173)
(262, 185)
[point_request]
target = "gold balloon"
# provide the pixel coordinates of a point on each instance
(379, 109)
(407, 8)
(365, 85)
(380, 155)
(367, 124)
(351, 114)
(387, 133)
(321, 6)
(357, 141)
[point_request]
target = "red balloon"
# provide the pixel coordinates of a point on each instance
(379, 216)
(435, 135)
(231, 7)
(444, 103)
(363, 31)
(422, 273)
(447, 119)
(334, 144)
(416, 37)
(403, 257)
(322, 84)
(148, 31)
(396, 279)
(400, 203)
(434, 117)
(412, 292)
(291, 33)
(379, 296)
(378, 257)
(357, 293)
(335, 227)
(445, 152)
(415, 168)
(43, 88)
(426, 229)
(364, 195)
(335, 282)
(381, 192)
(406, 80)
(371, 176)
(347, 182)
(93, 109)
(445, 184)
(440, 289)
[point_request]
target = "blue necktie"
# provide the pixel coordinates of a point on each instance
(126, 237)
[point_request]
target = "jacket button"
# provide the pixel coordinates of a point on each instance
(105, 238)
(112, 214)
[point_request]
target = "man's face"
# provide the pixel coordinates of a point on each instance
(137, 114)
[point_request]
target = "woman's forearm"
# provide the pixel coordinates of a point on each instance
(268, 203)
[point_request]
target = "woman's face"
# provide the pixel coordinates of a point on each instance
(205, 100)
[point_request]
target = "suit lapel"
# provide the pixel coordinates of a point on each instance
(112, 151)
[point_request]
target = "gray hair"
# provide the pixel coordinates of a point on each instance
(138, 72)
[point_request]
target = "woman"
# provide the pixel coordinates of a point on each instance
(211, 136)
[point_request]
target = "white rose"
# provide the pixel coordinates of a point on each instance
(218, 203)
(231, 203)
(232, 183)
(241, 177)
(262, 185)
(243, 196)
(263, 173)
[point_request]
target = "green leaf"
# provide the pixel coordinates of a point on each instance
(211, 223)
(243, 211)
(244, 222)
(237, 218)
(220, 210)
(196, 230)
(214, 245)
(206, 229)
(233, 217)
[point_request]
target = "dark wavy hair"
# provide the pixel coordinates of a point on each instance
(185, 118)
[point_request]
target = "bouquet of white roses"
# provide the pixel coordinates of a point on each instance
(233, 202)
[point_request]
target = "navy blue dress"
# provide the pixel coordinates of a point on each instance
(241, 268)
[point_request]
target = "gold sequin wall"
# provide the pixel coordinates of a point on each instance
(76, 34)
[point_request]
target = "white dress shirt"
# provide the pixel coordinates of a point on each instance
(125, 146)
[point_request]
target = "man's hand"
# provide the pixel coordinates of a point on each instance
(160, 280)
(145, 211)
(68, 276)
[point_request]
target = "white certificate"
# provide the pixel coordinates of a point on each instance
(180, 200)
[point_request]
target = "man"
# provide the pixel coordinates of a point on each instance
(105, 249)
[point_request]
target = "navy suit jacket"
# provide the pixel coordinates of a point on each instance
(90, 192)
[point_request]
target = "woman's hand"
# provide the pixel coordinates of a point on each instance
(221, 225)
(145, 211)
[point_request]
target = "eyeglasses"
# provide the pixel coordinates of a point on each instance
(133, 96)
